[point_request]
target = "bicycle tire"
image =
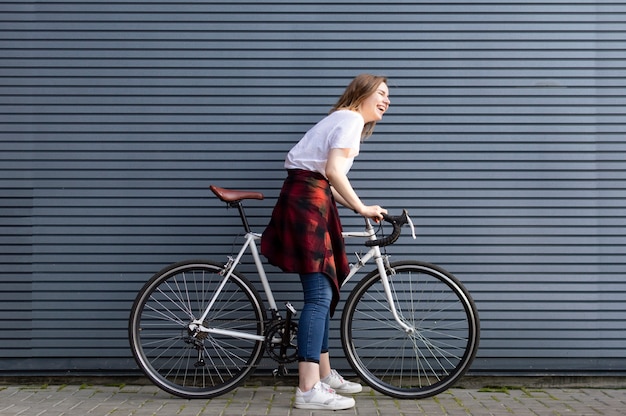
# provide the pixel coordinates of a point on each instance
(165, 350)
(410, 365)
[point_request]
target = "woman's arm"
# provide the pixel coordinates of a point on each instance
(339, 198)
(342, 189)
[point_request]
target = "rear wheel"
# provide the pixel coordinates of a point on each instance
(173, 354)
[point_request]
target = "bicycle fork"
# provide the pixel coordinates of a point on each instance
(383, 265)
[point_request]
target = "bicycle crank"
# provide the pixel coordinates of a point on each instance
(280, 338)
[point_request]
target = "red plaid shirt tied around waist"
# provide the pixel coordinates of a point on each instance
(304, 233)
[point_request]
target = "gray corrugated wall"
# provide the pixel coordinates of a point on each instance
(505, 140)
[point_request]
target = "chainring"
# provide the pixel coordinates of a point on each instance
(274, 342)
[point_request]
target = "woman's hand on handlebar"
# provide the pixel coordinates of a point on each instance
(373, 212)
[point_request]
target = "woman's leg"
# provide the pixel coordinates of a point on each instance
(331, 377)
(324, 368)
(313, 329)
(324, 356)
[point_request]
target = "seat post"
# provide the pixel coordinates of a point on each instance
(242, 214)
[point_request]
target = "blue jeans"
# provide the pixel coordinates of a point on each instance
(315, 317)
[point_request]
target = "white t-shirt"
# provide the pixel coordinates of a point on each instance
(339, 130)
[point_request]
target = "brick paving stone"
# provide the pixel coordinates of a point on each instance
(256, 400)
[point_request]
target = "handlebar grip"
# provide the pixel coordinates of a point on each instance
(397, 221)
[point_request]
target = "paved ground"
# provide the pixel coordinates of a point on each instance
(262, 398)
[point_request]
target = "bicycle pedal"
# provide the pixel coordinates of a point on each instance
(291, 309)
(281, 371)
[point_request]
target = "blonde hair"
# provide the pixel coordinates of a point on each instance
(361, 87)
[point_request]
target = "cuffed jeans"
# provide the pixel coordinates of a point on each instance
(315, 317)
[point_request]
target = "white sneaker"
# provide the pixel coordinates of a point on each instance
(322, 397)
(337, 383)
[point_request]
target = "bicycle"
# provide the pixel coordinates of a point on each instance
(198, 329)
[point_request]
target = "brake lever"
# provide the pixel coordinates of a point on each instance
(411, 225)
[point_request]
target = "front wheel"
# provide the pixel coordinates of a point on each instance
(429, 358)
(173, 353)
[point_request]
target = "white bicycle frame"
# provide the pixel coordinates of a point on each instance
(250, 242)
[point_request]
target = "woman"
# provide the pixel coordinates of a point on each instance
(304, 233)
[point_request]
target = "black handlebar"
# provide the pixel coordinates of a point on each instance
(397, 221)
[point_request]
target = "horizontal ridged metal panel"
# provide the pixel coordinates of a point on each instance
(505, 140)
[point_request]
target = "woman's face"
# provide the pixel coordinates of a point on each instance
(374, 106)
